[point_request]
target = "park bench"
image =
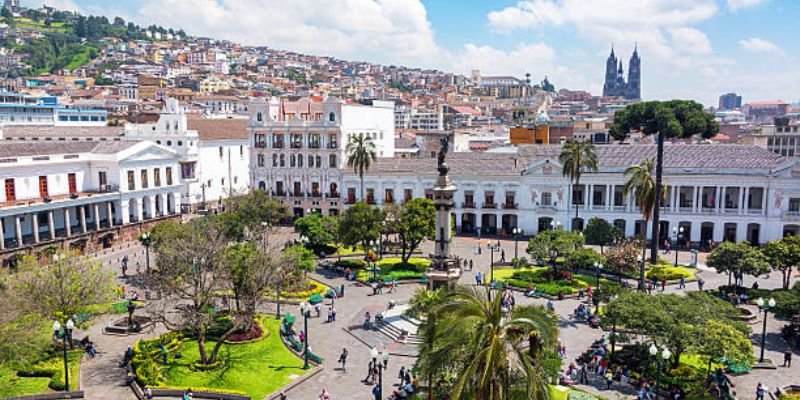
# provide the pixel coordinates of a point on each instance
(536, 293)
(315, 358)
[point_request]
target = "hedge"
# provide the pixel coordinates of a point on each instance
(669, 272)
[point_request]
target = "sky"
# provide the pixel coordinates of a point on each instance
(690, 49)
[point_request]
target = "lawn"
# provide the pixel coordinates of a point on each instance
(80, 58)
(44, 377)
(392, 267)
(558, 392)
(256, 369)
(669, 272)
(535, 276)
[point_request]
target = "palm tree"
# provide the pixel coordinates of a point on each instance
(577, 157)
(643, 184)
(487, 346)
(360, 155)
(424, 305)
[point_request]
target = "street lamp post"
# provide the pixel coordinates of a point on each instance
(145, 239)
(305, 308)
(665, 355)
(374, 353)
(517, 232)
(65, 335)
(597, 268)
(764, 306)
(492, 249)
(678, 232)
(555, 224)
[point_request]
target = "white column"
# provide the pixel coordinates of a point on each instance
(67, 222)
(586, 196)
(164, 204)
(18, 228)
(124, 210)
(696, 197)
(139, 211)
(719, 198)
(176, 202)
(82, 212)
(51, 224)
(2, 235)
(110, 215)
(96, 217)
(609, 196)
(35, 226)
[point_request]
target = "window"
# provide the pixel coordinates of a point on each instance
(370, 196)
(408, 194)
(547, 199)
(310, 161)
(143, 174)
(259, 117)
(332, 117)
(73, 183)
(102, 179)
(241, 151)
(332, 161)
(300, 160)
(260, 158)
(351, 195)
(131, 181)
(297, 189)
(10, 192)
(187, 170)
(283, 160)
(262, 186)
(169, 142)
(388, 197)
(261, 140)
(292, 160)
(469, 199)
(43, 186)
(794, 205)
(319, 161)
(274, 160)
(157, 177)
(168, 173)
(332, 141)
(577, 195)
(279, 188)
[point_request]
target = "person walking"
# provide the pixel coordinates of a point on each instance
(700, 283)
(333, 314)
(682, 283)
(583, 375)
(402, 375)
(787, 358)
(370, 369)
(470, 264)
(760, 391)
(663, 283)
(478, 279)
(343, 359)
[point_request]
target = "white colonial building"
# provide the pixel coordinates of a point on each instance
(299, 146)
(713, 192)
(84, 192)
(214, 156)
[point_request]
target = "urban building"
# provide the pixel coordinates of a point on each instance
(779, 139)
(615, 84)
(299, 147)
(84, 195)
(730, 101)
(213, 153)
(765, 112)
(21, 109)
(411, 118)
(713, 192)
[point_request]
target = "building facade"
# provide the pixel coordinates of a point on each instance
(19, 109)
(299, 146)
(84, 194)
(715, 193)
(615, 84)
(730, 101)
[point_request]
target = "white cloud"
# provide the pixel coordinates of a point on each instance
(391, 31)
(690, 41)
(736, 5)
(758, 45)
(65, 5)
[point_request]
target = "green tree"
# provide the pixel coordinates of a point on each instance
(7, 15)
(300, 261)
(738, 258)
(784, 255)
(250, 274)
(622, 258)
(600, 232)
(424, 305)
(716, 339)
(415, 222)
(319, 229)
(361, 224)
(486, 346)
(62, 286)
(668, 119)
(576, 158)
(251, 211)
(548, 246)
(361, 154)
(643, 185)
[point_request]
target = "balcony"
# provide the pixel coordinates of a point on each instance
(489, 205)
(261, 145)
(332, 195)
(754, 211)
(598, 207)
(333, 145)
(350, 200)
(296, 145)
(278, 145)
(314, 194)
(511, 206)
(370, 200)
(468, 204)
(619, 208)
(279, 193)
(313, 145)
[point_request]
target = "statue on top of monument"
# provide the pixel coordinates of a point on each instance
(445, 145)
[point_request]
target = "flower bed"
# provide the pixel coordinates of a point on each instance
(313, 288)
(542, 278)
(255, 332)
(392, 267)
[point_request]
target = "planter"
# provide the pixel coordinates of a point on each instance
(747, 315)
(120, 326)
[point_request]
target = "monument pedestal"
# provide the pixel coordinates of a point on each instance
(444, 270)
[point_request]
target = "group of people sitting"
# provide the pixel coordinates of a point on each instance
(88, 345)
(584, 313)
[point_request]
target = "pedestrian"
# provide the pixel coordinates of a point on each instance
(187, 394)
(760, 391)
(367, 318)
(502, 255)
(317, 309)
(394, 285)
(164, 353)
(324, 395)
(333, 314)
(663, 283)
(470, 264)
(330, 314)
(370, 368)
(407, 377)
(343, 359)
(667, 246)
(583, 375)
(650, 288)
(682, 283)
(402, 375)
(478, 279)
(609, 380)
(787, 358)
(283, 396)
(700, 283)
(341, 291)
(550, 305)
(376, 391)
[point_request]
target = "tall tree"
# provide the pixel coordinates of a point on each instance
(487, 345)
(251, 211)
(738, 258)
(250, 273)
(643, 185)
(576, 158)
(415, 222)
(668, 119)
(718, 339)
(548, 246)
(361, 154)
(784, 255)
(61, 286)
(600, 232)
(424, 305)
(319, 229)
(361, 224)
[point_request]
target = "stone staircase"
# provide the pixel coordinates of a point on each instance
(398, 327)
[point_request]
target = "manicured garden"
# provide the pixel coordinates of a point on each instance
(546, 280)
(255, 368)
(393, 267)
(311, 288)
(669, 272)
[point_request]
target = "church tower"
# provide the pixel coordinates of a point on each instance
(634, 76)
(611, 75)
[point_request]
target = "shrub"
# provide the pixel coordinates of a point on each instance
(667, 272)
(313, 288)
(254, 332)
(584, 258)
(352, 263)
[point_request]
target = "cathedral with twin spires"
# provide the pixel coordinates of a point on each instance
(615, 85)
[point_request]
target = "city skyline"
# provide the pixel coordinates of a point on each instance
(692, 49)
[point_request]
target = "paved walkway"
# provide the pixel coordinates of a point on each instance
(101, 378)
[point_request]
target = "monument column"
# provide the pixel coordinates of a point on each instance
(443, 271)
